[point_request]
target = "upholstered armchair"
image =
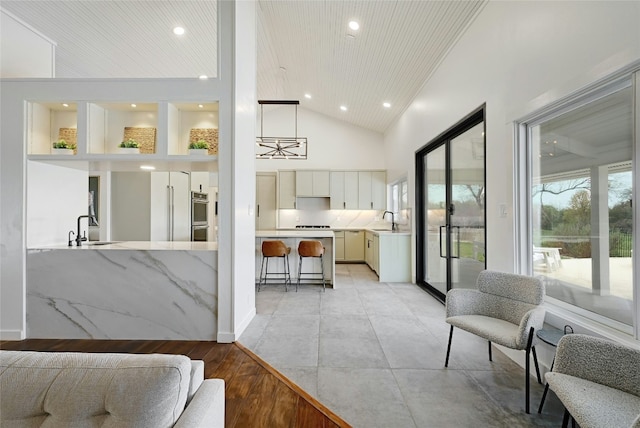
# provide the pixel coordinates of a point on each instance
(598, 382)
(505, 309)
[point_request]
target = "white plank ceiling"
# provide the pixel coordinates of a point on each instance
(303, 46)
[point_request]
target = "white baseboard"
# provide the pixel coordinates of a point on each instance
(230, 337)
(12, 335)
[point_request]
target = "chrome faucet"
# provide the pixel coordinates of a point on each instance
(394, 226)
(79, 238)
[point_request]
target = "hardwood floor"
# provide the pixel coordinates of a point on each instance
(256, 394)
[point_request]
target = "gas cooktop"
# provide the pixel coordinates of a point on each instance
(312, 226)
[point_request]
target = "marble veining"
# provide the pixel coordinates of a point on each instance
(122, 294)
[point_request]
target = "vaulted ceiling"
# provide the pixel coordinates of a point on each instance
(304, 47)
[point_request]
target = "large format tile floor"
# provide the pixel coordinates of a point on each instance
(374, 353)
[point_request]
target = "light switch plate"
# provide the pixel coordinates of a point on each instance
(502, 210)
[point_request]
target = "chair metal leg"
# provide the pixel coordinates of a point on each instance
(565, 419)
(324, 288)
(490, 357)
(299, 270)
(535, 363)
(446, 361)
(527, 369)
(546, 388)
(261, 269)
(288, 274)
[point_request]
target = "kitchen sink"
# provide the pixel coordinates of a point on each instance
(97, 243)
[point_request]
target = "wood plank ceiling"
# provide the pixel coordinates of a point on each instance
(303, 46)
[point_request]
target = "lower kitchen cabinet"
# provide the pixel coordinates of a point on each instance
(354, 245)
(339, 245)
(389, 255)
(349, 245)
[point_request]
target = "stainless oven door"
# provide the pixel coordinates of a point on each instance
(199, 233)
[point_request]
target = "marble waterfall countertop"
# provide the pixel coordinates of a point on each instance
(124, 290)
(135, 245)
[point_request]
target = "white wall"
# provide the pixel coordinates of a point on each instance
(25, 52)
(515, 57)
(332, 144)
(56, 196)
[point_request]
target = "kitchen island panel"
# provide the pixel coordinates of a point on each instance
(122, 294)
(292, 238)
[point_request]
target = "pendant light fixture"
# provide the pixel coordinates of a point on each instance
(280, 147)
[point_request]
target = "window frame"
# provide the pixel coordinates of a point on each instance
(523, 157)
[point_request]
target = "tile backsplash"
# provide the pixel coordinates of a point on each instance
(288, 219)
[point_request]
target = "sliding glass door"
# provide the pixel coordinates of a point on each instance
(450, 208)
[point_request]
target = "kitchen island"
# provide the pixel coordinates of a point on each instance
(292, 238)
(123, 290)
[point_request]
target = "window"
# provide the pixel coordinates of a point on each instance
(399, 201)
(580, 158)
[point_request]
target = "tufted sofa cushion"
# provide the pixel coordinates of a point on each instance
(40, 389)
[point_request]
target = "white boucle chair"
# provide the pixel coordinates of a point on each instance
(598, 382)
(505, 309)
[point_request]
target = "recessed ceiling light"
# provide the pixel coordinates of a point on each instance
(203, 77)
(386, 105)
(178, 31)
(65, 105)
(354, 25)
(307, 96)
(200, 106)
(134, 106)
(343, 108)
(147, 167)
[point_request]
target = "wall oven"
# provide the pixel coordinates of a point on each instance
(199, 216)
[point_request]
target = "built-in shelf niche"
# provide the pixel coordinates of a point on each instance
(183, 117)
(107, 123)
(48, 122)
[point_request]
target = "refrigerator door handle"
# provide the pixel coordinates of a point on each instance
(169, 213)
(173, 197)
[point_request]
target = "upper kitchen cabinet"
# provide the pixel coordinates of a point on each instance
(312, 183)
(344, 190)
(192, 128)
(287, 189)
(50, 123)
(371, 190)
(113, 127)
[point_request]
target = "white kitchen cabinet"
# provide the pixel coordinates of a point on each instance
(389, 255)
(265, 201)
(312, 183)
(368, 248)
(371, 190)
(340, 247)
(200, 182)
(344, 190)
(287, 189)
(354, 245)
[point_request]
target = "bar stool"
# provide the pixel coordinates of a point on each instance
(311, 249)
(275, 249)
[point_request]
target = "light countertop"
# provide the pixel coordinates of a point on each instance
(138, 245)
(296, 233)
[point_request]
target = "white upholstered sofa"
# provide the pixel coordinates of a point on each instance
(68, 389)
